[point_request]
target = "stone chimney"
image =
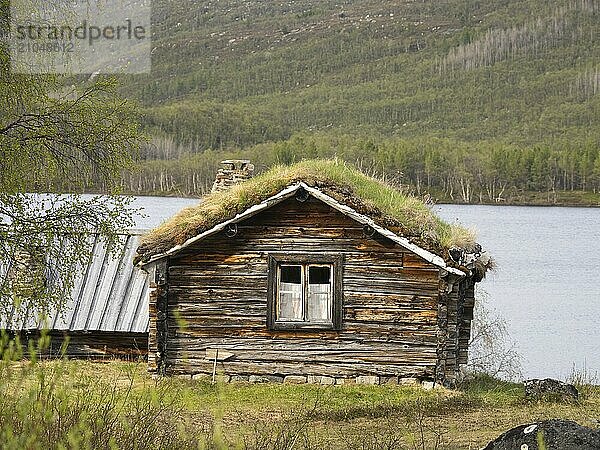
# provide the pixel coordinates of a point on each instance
(232, 171)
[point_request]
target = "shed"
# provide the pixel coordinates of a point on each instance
(106, 314)
(314, 272)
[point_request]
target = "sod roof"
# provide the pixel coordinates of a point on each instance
(389, 207)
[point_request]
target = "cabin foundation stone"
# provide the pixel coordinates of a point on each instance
(328, 380)
(428, 385)
(265, 379)
(389, 380)
(240, 379)
(295, 379)
(202, 377)
(367, 379)
(409, 381)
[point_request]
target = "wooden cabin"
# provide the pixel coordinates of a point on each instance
(106, 314)
(308, 283)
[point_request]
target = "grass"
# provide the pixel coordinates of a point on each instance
(81, 404)
(374, 197)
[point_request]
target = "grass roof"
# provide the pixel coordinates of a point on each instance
(386, 205)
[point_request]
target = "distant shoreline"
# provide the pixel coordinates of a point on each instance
(567, 199)
(541, 205)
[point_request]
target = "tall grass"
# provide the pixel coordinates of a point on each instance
(86, 405)
(53, 405)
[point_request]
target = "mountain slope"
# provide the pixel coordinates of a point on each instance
(229, 73)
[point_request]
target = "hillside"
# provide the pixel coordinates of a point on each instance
(464, 100)
(229, 73)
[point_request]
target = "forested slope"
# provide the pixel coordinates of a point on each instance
(478, 79)
(230, 72)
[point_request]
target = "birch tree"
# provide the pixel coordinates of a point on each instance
(56, 137)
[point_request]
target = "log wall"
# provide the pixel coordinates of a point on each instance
(217, 298)
(97, 345)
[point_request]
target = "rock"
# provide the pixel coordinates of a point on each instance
(549, 389)
(327, 380)
(295, 379)
(408, 381)
(389, 380)
(202, 377)
(313, 379)
(239, 378)
(265, 379)
(367, 379)
(428, 385)
(557, 435)
(342, 381)
(207, 378)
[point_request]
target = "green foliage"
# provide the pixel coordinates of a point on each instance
(56, 137)
(446, 169)
(45, 240)
(44, 406)
(492, 391)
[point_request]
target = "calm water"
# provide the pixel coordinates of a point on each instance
(547, 282)
(546, 286)
(156, 210)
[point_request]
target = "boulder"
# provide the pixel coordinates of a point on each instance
(549, 389)
(555, 434)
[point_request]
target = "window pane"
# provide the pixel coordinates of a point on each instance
(319, 293)
(291, 274)
(319, 274)
(290, 293)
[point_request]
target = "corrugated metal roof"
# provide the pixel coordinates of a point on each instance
(109, 293)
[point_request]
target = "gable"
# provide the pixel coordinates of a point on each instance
(291, 226)
(300, 190)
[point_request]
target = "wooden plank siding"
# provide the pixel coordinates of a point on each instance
(217, 298)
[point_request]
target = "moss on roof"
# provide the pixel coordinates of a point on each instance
(386, 205)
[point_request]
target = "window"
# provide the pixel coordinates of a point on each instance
(305, 292)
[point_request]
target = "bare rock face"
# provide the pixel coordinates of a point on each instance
(554, 434)
(549, 388)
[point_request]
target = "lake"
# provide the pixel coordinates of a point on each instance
(545, 286)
